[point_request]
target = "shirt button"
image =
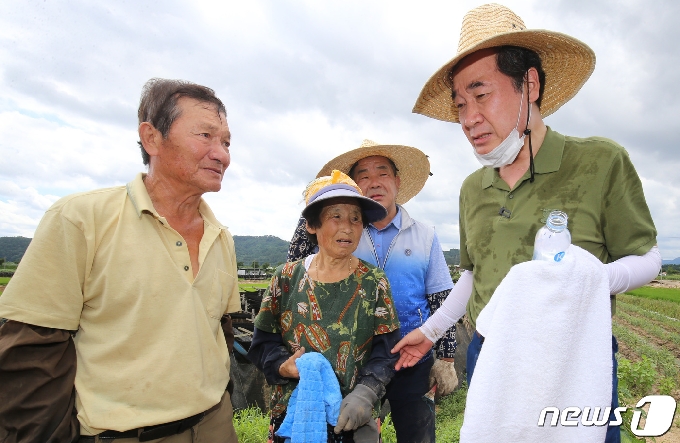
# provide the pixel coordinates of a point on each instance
(186, 268)
(511, 196)
(179, 243)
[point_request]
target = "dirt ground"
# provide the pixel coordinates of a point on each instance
(672, 436)
(665, 284)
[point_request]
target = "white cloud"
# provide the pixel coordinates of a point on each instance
(21, 209)
(303, 82)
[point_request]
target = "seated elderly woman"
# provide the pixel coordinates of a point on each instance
(334, 304)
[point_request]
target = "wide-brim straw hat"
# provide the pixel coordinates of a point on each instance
(567, 62)
(336, 185)
(412, 164)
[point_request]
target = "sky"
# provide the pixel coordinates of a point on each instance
(304, 81)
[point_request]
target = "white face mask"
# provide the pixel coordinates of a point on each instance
(506, 152)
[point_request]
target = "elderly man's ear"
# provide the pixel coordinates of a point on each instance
(150, 138)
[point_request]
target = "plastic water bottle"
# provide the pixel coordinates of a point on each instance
(553, 239)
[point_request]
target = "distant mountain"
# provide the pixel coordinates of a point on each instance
(13, 248)
(262, 249)
(452, 257)
(249, 248)
(675, 261)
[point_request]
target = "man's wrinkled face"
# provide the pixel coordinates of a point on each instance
(376, 179)
(486, 99)
(196, 151)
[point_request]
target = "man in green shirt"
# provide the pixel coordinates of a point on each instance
(500, 85)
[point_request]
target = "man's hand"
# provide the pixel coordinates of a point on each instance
(443, 374)
(288, 369)
(412, 348)
(356, 409)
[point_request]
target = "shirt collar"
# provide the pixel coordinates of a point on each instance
(548, 159)
(140, 199)
(396, 222)
(139, 196)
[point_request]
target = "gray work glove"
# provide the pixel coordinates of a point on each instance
(443, 374)
(367, 433)
(356, 409)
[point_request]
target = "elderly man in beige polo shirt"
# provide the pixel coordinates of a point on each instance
(131, 283)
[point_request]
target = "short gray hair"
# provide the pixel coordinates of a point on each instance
(158, 104)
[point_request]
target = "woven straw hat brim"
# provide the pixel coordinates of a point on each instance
(412, 163)
(567, 62)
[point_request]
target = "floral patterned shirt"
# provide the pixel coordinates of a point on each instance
(337, 319)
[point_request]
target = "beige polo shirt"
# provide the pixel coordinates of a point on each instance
(150, 348)
(591, 179)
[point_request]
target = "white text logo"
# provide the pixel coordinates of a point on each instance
(658, 422)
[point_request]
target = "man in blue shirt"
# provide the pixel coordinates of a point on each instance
(412, 258)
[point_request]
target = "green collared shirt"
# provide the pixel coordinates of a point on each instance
(591, 179)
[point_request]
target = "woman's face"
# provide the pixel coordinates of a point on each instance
(341, 227)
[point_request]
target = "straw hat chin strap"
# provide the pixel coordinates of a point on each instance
(527, 132)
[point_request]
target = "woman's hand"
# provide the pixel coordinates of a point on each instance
(288, 369)
(412, 348)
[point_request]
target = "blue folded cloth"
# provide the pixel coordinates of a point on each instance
(314, 402)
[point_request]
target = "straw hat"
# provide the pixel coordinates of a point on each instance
(567, 62)
(412, 164)
(337, 184)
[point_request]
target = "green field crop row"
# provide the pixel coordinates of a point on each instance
(667, 323)
(663, 307)
(665, 361)
(649, 327)
(669, 294)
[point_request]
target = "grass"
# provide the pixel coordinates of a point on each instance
(449, 417)
(667, 308)
(252, 425)
(389, 435)
(667, 323)
(649, 327)
(648, 292)
(646, 367)
(665, 361)
(4, 280)
(250, 286)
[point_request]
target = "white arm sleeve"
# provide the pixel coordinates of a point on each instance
(633, 271)
(451, 310)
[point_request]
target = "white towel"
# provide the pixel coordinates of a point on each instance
(548, 336)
